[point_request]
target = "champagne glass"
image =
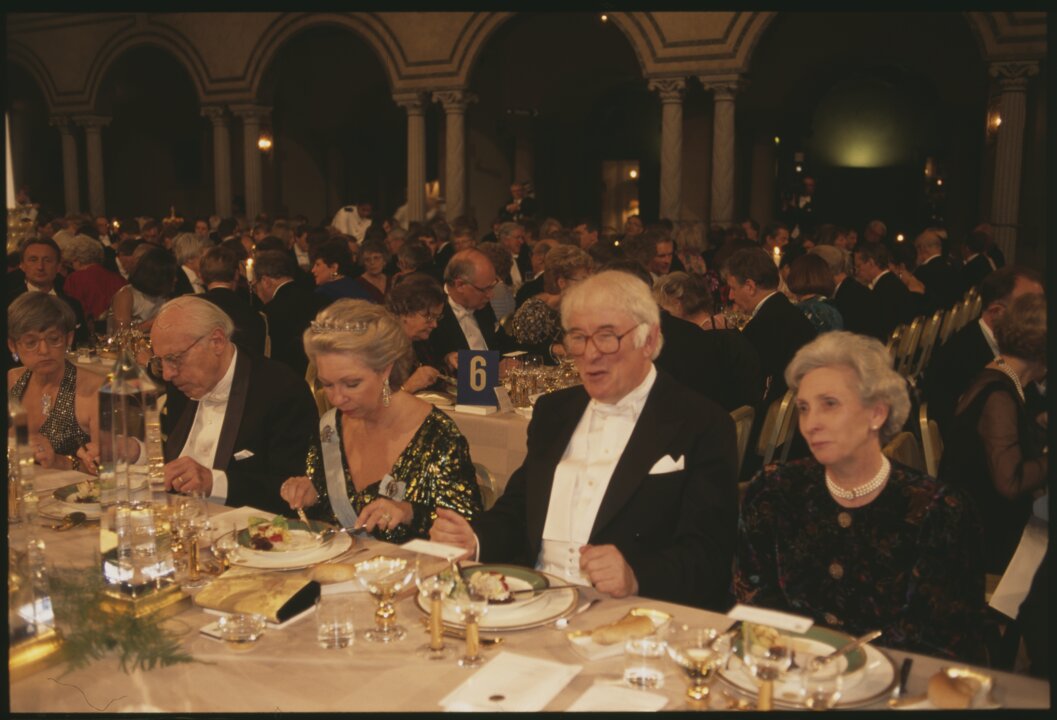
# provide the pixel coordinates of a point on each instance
(470, 605)
(767, 660)
(820, 683)
(698, 651)
(383, 577)
(434, 587)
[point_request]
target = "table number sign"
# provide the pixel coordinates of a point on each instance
(478, 374)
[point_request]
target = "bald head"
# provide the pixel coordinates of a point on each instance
(470, 278)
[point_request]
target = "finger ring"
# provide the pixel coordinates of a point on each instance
(386, 517)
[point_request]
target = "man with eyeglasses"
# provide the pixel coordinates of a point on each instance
(39, 261)
(468, 320)
(236, 424)
(629, 482)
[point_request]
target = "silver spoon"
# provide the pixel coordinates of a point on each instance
(70, 520)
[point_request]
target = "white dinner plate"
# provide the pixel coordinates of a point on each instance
(289, 561)
(57, 510)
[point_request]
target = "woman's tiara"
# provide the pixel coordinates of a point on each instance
(328, 326)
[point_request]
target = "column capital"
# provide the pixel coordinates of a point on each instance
(1014, 74)
(453, 100)
(723, 88)
(413, 102)
(63, 122)
(91, 122)
(670, 89)
(217, 114)
(251, 112)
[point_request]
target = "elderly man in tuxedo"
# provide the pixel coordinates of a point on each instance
(236, 424)
(629, 481)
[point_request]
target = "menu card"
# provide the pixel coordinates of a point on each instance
(511, 683)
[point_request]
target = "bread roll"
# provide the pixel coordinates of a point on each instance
(627, 628)
(328, 573)
(950, 693)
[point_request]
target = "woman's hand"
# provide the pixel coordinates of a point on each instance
(43, 452)
(88, 454)
(299, 492)
(384, 514)
(421, 379)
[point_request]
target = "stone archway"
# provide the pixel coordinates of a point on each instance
(36, 154)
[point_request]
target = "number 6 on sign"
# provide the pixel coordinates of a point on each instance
(478, 374)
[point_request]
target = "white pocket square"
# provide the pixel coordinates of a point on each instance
(243, 454)
(666, 465)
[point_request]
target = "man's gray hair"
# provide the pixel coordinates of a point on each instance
(188, 246)
(615, 290)
(84, 250)
(876, 381)
(507, 229)
(838, 259)
(199, 314)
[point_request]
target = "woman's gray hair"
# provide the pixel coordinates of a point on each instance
(199, 314)
(84, 250)
(614, 289)
(364, 329)
(188, 246)
(872, 365)
(37, 312)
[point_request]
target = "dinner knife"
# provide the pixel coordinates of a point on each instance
(853, 645)
(540, 590)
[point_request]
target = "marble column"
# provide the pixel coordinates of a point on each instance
(70, 183)
(1009, 155)
(671, 91)
(221, 159)
(252, 115)
(93, 137)
(454, 191)
(722, 210)
(415, 105)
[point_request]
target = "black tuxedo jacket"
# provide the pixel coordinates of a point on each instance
(777, 331)
(894, 304)
(183, 284)
(249, 325)
(951, 368)
(15, 285)
(856, 305)
(440, 260)
(942, 285)
(524, 261)
(974, 272)
(289, 312)
(270, 414)
(529, 288)
(448, 335)
(676, 530)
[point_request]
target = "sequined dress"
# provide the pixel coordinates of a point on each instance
(908, 563)
(435, 465)
(60, 427)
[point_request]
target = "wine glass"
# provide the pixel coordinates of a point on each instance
(383, 577)
(225, 546)
(699, 651)
(190, 520)
(820, 683)
(767, 660)
(470, 605)
(434, 586)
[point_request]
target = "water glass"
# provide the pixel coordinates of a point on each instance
(644, 662)
(334, 621)
(820, 684)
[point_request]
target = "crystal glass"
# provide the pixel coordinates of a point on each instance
(434, 587)
(225, 546)
(820, 684)
(767, 663)
(334, 621)
(470, 606)
(698, 651)
(643, 662)
(190, 523)
(241, 630)
(383, 577)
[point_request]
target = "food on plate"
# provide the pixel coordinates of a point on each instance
(266, 534)
(86, 492)
(762, 635)
(493, 586)
(626, 628)
(333, 573)
(952, 693)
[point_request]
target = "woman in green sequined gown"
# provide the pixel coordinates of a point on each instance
(400, 458)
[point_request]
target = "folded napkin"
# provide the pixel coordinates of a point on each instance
(602, 697)
(511, 683)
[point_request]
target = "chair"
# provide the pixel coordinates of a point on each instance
(486, 481)
(907, 344)
(267, 335)
(743, 418)
(777, 430)
(976, 306)
(893, 341)
(322, 404)
(904, 448)
(931, 441)
(927, 342)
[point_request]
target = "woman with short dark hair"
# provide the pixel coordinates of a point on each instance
(151, 283)
(332, 267)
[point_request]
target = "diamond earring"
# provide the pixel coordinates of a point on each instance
(387, 393)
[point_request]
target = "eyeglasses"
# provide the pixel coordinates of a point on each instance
(606, 342)
(175, 360)
(486, 288)
(430, 317)
(32, 342)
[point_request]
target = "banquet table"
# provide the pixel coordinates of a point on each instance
(497, 441)
(286, 671)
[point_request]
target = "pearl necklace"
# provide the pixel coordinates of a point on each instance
(1012, 375)
(862, 490)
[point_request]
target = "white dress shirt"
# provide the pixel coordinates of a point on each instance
(474, 338)
(196, 281)
(201, 445)
(303, 259)
(873, 283)
(582, 477)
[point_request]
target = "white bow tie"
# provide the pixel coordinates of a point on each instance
(618, 410)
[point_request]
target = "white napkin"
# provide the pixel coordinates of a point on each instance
(436, 549)
(602, 697)
(1016, 580)
(511, 683)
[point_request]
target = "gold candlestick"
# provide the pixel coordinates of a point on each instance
(436, 634)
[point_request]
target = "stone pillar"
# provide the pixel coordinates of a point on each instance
(414, 104)
(93, 136)
(70, 183)
(454, 191)
(221, 159)
(722, 210)
(1009, 155)
(252, 115)
(671, 91)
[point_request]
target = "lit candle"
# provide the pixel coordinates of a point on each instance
(249, 270)
(777, 255)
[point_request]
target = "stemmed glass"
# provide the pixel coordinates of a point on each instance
(699, 651)
(470, 605)
(767, 661)
(190, 523)
(434, 587)
(820, 683)
(225, 546)
(383, 577)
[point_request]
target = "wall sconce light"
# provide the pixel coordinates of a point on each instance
(605, 18)
(799, 168)
(633, 174)
(264, 142)
(939, 182)
(994, 121)
(777, 140)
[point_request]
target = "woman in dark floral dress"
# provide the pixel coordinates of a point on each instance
(848, 538)
(537, 324)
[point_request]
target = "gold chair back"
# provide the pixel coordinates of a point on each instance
(777, 430)
(893, 341)
(743, 418)
(486, 482)
(927, 342)
(267, 335)
(322, 404)
(907, 345)
(904, 448)
(931, 441)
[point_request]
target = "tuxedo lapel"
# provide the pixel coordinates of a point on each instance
(240, 386)
(538, 492)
